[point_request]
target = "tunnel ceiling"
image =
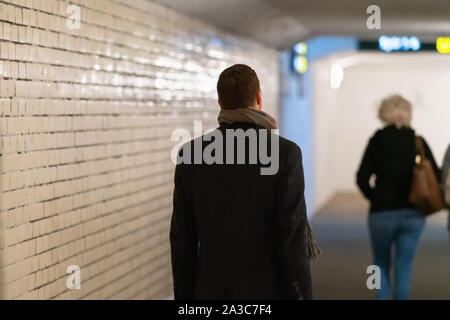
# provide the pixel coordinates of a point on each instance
(281, 23)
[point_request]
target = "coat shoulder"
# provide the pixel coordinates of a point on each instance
(289, 147)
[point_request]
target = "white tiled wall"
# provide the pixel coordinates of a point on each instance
(86, 120)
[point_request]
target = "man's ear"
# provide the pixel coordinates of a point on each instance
(259, 100)
(218, 101)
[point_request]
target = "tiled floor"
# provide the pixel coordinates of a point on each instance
(340, 273)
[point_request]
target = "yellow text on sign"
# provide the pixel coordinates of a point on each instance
(443, 45)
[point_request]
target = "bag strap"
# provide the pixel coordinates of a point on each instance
(420, 149)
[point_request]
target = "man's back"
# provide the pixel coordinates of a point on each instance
(237, 232)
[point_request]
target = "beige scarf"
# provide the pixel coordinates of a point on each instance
(248, 115)
(262, 119)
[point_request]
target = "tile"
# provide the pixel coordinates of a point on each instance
(86, 119)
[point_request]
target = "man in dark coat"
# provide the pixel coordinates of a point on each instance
(239, 226)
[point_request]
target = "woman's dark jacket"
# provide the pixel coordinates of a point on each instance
(237, 234)
(390, 156)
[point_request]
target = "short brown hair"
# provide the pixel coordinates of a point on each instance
(237, 87)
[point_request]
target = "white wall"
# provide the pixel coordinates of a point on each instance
(86, 118)
(344, 120)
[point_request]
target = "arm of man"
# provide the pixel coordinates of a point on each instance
(184, 243)
(291, 224)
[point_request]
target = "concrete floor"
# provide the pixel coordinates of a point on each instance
(340, 272)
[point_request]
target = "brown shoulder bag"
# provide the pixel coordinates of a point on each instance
(425, 193)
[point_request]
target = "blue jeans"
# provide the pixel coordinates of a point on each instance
(400, 229)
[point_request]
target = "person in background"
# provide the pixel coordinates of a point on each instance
(393, 220)
(446, 182)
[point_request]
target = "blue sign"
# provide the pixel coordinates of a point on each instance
(389, 44)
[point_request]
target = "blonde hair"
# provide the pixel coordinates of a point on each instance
(396, 110)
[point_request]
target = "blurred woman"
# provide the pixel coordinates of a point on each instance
(393, 220)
